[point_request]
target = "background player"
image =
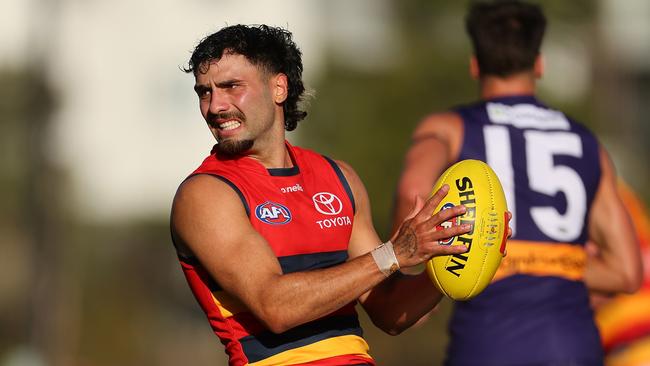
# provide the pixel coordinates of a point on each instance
(560, 185)
(624, 320)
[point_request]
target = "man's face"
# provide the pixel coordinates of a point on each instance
(235, 98)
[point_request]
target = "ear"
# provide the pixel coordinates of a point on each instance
(280, 88)
(474, 70)
(538, 67)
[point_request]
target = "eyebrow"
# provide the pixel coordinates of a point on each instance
(201, 87)
(227, 83)
(223, 84)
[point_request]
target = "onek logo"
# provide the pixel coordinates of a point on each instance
(273, 213)
(327, 203)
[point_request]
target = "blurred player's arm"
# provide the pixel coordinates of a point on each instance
(617, 267)
(435, 145)
(402, 299)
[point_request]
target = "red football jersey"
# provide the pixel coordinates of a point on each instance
(305, 213)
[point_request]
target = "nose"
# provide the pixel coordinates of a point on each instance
(218, 102)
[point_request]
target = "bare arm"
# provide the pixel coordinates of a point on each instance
(435, 145)
(242, 262)
(401, 300)
(617, 267)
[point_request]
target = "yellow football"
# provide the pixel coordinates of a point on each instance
(474, 184)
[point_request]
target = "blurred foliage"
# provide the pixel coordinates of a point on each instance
(137, 308)
(26, 192)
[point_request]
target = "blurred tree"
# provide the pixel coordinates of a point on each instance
(33, 221)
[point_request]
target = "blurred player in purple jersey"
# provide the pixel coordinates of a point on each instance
(560, 185)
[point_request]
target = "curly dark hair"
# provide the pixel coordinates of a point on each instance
(267, 47)
(506, 35)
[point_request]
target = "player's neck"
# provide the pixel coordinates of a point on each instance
(271, 151)
(518, 84)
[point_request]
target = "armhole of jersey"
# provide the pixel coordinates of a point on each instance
(460, 111)
(344, 181)
(184, 253)
(235, 188)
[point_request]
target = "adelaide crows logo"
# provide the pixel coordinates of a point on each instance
(273, 213)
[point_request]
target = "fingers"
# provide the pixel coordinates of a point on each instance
(439, 250)
(446, 233)
(443, 216)
(432, 203)
(417, 206)
(509, 217)
(418, 203)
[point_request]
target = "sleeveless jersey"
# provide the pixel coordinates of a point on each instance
(305, 214)
(536, 311)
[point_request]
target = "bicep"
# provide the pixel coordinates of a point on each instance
(363, 238)
(209, 219)
(435, 145)
(610, 225)
(424, 162)
(608, 218)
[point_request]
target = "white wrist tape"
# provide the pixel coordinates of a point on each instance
(385, 258)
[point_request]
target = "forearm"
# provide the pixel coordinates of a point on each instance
(292, 299)
(606, 277)
(399, 302)
(617, 266)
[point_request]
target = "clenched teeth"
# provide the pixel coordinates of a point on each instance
(230, 125)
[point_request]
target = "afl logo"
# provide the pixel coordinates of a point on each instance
(327, 203)
(273, 213)
(447, 224)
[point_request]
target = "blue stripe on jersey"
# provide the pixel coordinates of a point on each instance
(233, 186)
(305, 262)
(284, 172)
(344, 181)
(267, 344)
(289, 264)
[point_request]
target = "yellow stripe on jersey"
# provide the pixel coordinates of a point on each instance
(227, 304)
(542, 259)
(612, 321)
(331, 347)
(637, 212)
(634, 354)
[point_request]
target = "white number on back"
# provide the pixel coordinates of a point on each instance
(544, 176)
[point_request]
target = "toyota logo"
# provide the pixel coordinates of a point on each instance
(327, 203)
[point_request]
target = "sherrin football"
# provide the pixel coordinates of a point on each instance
(474, 184)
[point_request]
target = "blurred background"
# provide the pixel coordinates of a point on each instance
(98, 126)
